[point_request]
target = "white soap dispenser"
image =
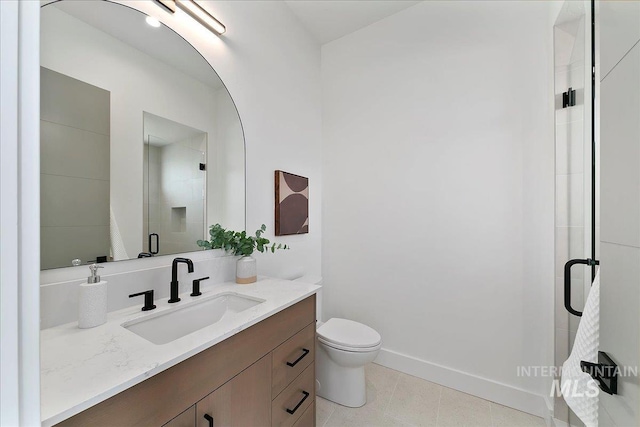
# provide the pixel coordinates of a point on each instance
(92, 307)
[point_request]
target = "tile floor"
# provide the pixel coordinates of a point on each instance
(397, 399)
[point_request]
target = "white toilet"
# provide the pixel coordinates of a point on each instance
(343, 347)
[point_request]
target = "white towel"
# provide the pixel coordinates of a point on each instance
(583, 403)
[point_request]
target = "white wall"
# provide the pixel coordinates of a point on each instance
(271, 68)
(438, 163)
(20, 214)
(230, 162)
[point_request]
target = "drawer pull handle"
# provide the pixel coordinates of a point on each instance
(209, 418)
(293, 411)
(304, 353)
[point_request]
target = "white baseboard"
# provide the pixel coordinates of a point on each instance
(502, 394)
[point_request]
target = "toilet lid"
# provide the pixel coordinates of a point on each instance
(347, 333)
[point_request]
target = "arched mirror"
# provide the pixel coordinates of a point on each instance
(141, 144)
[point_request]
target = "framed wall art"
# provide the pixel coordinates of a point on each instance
(292, 203)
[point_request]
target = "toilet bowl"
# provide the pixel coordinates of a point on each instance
(343, 348)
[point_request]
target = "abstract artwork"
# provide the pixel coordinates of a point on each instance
(292, 204)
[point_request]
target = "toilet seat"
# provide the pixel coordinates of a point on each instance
(347, 335)
(350, 349)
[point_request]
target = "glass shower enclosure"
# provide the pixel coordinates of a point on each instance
(576, 227)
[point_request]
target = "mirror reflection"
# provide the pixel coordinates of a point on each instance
(141, 144)
(174, 186)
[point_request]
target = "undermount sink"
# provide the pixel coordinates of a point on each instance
(169, 325)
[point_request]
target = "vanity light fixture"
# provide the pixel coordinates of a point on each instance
(168, 5)
(199, 14)
(195, 11)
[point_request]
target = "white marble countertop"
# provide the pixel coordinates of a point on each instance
(82, 367)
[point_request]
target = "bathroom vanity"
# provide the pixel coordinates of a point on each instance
(255, 367)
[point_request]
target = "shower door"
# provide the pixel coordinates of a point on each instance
(576, 204)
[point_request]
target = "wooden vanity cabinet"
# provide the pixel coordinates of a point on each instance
(308, 418)
(243, 401)
(185, 419)
(242, 381)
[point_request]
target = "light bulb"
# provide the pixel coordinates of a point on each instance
(152, 21)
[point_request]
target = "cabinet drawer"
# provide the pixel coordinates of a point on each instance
(292, 357)
(308, 418)
(185, 419)
(296, 398)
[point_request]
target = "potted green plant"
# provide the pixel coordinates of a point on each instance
(239, 243)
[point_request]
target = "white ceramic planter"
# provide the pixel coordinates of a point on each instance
(246, 270)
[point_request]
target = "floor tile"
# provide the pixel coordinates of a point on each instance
(415, 401)
(324, 409)
(381, 382)
(507, 417)
(362, 417)
(464, 410)
(397, 399)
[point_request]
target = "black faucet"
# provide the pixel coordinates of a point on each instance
(174, 276)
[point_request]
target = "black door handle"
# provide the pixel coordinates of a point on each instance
(293, 411)
(567, 282)
(294, 363)
(209, 418)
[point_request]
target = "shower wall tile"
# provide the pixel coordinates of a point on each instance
(562, 346)
(622, 30)
(68, 201)
(181, 185)
(562, 316)
(577, 302)
(570, 200)
(84, 106)
(560, 409)
(604, 420)
(564, 320)
(568, 115)
(196, 213)
(569, 77)
(569, 147)
(85, 243)
(69, 151)
(145, 223)
(620, 158)
(569, 245)
(74, 170)
(619, 324)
